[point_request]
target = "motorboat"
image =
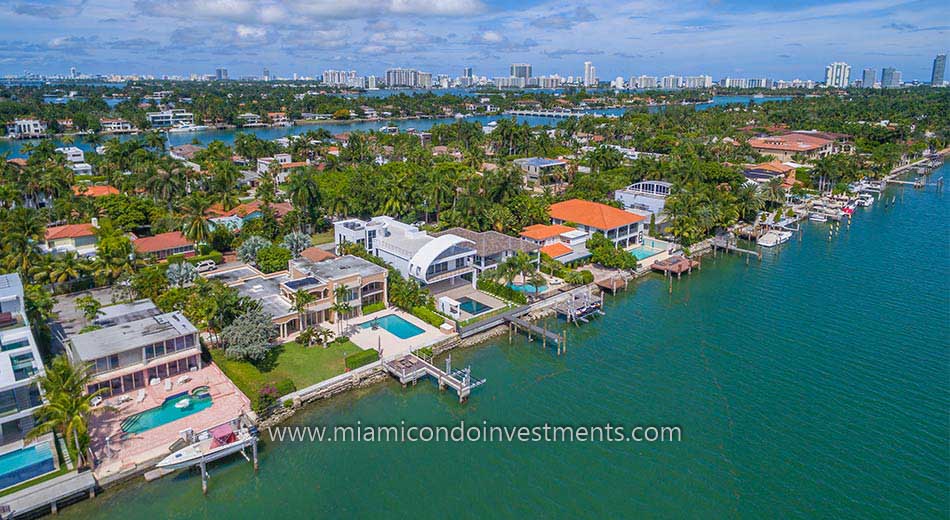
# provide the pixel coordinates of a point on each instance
(186, 127)
(864, 200)
(213, 444)
(818, 217)
(773, 238)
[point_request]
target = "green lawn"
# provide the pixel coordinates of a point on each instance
(302, 365)
(322, 238)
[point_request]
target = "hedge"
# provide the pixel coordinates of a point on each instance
(373, 307)
(213, 255)
(501, 291)
(429, 316)
(363, 357)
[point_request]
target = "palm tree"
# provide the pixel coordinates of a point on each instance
(155, 139)
(68, 405)
(23, 228)
(305, 193)
(196, 227)
(61, 269)
(341, 307)
(166, 182)
(302, 299)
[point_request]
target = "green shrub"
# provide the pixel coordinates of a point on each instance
(501, 291)
(273, 258)
(212, 255)
(285, 386)
(289, 403)
(361, 358)
(266, 397)
(427, 315)
(373, 307)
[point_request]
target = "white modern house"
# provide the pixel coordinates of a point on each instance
(115, 125)
(20, 363)
(172, 117)
(415, 253)
(644, 197)
(73, 154)
(26, 128)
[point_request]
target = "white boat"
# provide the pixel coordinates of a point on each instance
(212, 444)
(865, 200)
(186, 127)
(774, 238)
(818, 217)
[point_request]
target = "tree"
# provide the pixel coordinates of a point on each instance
(181, 274)
(341, 114)
(22, 229)
(296, 242)
(341, 307)
(250, 336)
(68, 405)
(196, 224)
(302, 299)
(247, 251)
(273, 258)
(89, 307)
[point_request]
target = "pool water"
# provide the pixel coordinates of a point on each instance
(473, 307)
(166, 413)
(528, 288)
(395, 325)
(26, 463)
(643, 252)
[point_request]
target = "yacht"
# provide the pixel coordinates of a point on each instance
(864, 200)
(186, 127)
(818, 217)
(774, 238)
(213, 444)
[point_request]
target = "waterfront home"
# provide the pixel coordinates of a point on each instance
(249, 119)
(414, 253)
(163, 245)
(77, 238)
(94, 191)
(644, 198)
(184, 152)
(137, 345)
(80, 168)
(540, 171)
(365, 283)
(492, 247)
(115, 125)
(26, 129)
(73, 154)
(623, 228)
(20, 364)
(278, 118)
(235, 218)
(786, 147)
(562, 243)
(168, 118)
(764, 172)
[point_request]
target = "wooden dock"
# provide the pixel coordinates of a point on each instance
(410, 368)
(47, 496)
(533, 331)
(731, 245)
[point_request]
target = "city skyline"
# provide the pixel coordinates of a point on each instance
(621, 39)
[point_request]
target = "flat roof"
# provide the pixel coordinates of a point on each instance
(266, 291)
(340, 267)
(131, 335)
(126, 312)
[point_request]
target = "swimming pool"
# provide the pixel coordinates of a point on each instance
(395, 325)
(166, 413)
(643, 252)
(528, 288)
(26, 463)
(472, 307)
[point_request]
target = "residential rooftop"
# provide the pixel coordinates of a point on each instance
(488, 243)
(129, 335)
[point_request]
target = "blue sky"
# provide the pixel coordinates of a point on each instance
(780, 39)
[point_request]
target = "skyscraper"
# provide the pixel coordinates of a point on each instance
(220, 74)
(467, 72)
(590, 74)
(867, 78)
(890, 77)
(940, 67)
(266, 75)
(520, 70)
(838, 75)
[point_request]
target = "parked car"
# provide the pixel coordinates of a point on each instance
(206, 265)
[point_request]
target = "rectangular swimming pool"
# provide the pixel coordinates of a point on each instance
(473, 307)
(173, 408)
(395, 325)
(26, 463)
(643, 252)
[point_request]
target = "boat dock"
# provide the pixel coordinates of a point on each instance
(410, 368)
(577, 306)
(46, 496)
(729, 243)
(533, 331)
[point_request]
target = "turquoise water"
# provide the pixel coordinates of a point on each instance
(473, 307)
(643, 252)
(165, 413)
(395, 325)
(528, 288)
(811, 384)
(26, 463)
(227, 136)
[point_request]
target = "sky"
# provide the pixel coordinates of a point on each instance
(757, 38)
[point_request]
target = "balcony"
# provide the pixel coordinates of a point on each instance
(11, 320)
(445, 275)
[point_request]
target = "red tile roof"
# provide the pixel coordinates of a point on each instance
(556, 249)
(793, 142)
(95, 191)
(544, 231)
(161, 242)
(70, 231)
(243, 210)
(592, 214)
(315, 254)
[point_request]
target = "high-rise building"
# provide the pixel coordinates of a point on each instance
(704, 81)
(423, 80)
(221, 74)
(838, 75)
(520, 70)
(940, 67)
(266, 75)
(72, 72)
(467, 72)
(867, 78)
(646, 82)
(590, 74)
(341, 78)
(371, 82)
(890, 77)
(402, 78)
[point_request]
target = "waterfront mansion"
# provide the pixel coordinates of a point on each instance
(20, 363)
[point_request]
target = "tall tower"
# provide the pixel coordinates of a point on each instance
(838, 75)
(940, 67)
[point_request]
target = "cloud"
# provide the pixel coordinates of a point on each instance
(53, 10)
(566, 19)
(562, 53)
(909, 27)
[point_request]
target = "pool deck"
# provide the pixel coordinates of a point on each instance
(371, 339)
(121, 456)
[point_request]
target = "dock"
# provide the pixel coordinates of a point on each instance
(578, 306)
(46, 496)
(533, 331)
(677, 265)
(726, 243)
(409, 368)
